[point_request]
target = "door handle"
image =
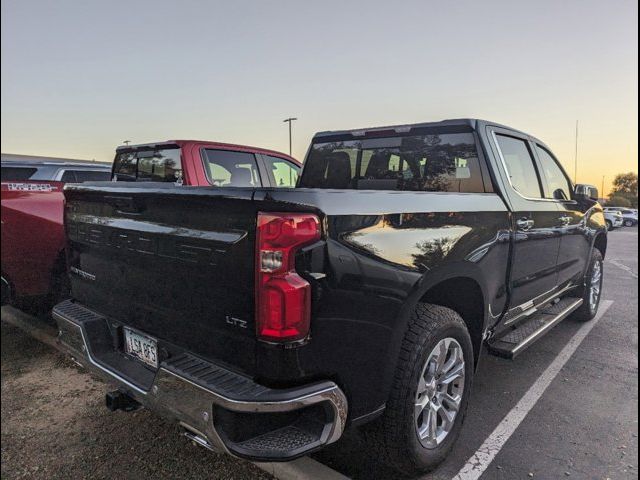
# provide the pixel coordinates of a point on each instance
(525, 224)
(564, 220)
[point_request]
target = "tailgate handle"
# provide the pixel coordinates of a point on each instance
(124, 204)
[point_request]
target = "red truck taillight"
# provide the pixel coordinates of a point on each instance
(283, 298)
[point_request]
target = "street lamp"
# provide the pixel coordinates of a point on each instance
(289, 120)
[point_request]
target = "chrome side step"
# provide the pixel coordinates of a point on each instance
(528, 332)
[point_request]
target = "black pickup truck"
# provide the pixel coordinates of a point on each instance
(266, 321)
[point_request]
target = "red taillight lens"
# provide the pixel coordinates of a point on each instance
(283, 298)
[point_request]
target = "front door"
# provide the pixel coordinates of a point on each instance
(575, 241)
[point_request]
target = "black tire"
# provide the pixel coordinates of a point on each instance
(609, 225)
(587, 311)
(629, 223)
(393, 436)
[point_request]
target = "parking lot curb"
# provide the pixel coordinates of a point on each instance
(303, 468)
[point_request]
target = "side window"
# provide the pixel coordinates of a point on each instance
(69, 176)
(226, 168)
(520, 167)
(283, 173)
(555, 182)
(17, 173)
(92, 176)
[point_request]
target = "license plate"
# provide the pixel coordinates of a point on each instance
(142, 347)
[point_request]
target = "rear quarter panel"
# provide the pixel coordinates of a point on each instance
(32, 234)
(383, 251)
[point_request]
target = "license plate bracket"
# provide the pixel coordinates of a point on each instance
(142, 347)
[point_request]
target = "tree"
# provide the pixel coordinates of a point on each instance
(625, 187)
(618, 201)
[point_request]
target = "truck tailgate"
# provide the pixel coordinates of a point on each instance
(176, 263)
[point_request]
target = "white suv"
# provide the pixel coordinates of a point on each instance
(613, 217)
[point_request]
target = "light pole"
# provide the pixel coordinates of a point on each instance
(289, 120)
(575, 169)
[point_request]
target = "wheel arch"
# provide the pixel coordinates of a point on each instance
(462, 288)
(465, 296)
(600, 242)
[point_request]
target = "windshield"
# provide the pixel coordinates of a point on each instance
(445, 162)
(154, 165)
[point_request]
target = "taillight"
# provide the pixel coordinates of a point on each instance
(283, 298)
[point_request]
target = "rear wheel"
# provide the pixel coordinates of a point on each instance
(628, 223)
(592, 291)
(609, 225)
(430, 392)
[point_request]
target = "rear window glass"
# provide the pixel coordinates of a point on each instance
(445, 162)
(17, 173)
(156, 165)
(226, 168)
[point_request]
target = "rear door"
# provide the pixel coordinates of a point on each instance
(575, 243)
(533, 277)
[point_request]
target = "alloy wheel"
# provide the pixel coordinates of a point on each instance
(439, 393)
(596, 286)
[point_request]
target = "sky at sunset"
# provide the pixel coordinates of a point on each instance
(79, 77)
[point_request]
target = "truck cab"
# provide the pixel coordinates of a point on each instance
(200, 163)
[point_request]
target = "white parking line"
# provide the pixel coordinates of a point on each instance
(482, 458)
(622, 266)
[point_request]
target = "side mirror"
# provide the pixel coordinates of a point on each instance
(586, 192)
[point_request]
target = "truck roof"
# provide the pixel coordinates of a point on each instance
(470, 123)
(219, 145)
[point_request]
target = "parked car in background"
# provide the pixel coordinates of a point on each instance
(27, 167)
(613, 218)
(265, 321)
(196, 162)
(33, 261)
(629, 215)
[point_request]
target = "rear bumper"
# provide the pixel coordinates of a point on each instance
(218, 408)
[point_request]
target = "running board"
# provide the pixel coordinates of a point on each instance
(533, 328)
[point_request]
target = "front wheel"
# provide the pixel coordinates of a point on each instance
(430, 392)
(592, 290)
(609, 225)
(629, 223)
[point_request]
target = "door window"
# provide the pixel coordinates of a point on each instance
(226, 168)
(69, 176)
(556, 185)
(520, 167)
(283, 173)
(79, 176)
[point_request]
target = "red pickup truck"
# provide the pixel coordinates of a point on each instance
(33, 261)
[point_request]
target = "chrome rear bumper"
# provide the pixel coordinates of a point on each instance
(206, 408)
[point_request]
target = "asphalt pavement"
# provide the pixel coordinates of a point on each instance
(569, 403)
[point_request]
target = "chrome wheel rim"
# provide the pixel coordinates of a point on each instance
(596, 286)
(439, 393)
